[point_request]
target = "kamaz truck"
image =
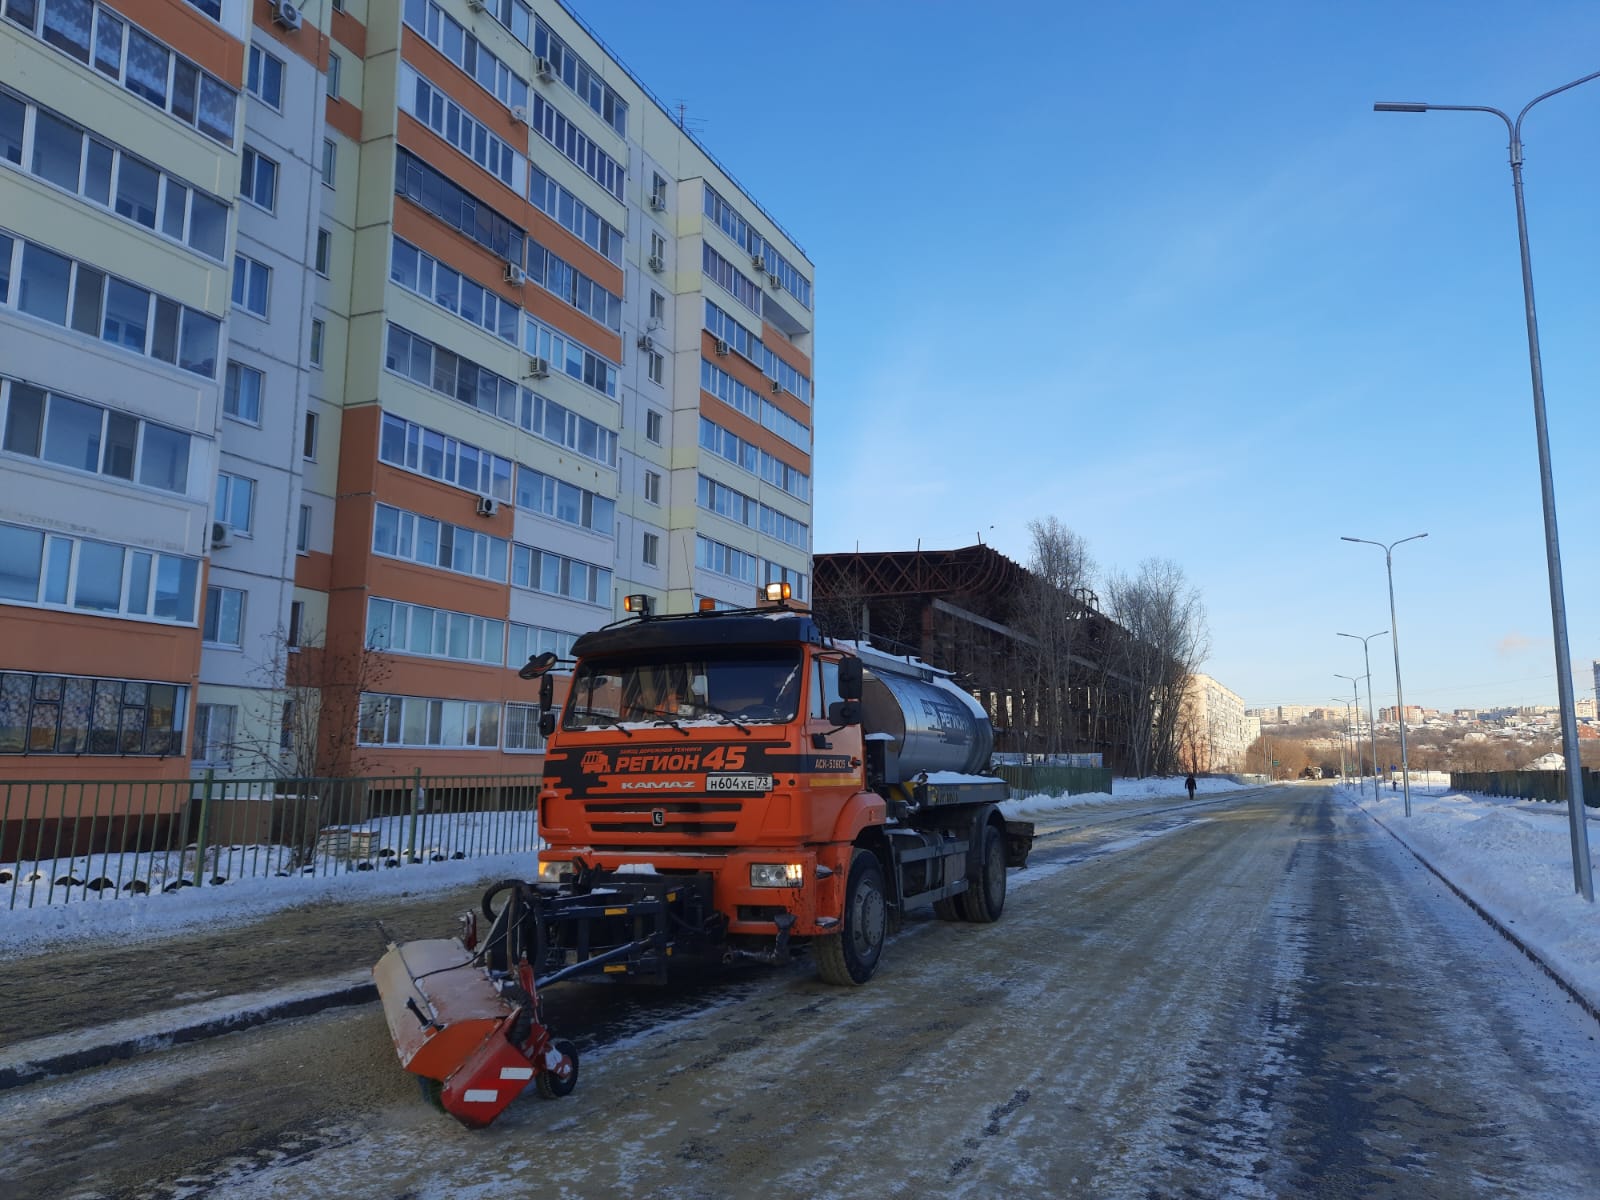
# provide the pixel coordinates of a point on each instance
(717, 785)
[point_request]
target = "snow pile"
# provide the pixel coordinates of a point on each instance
(1168, 787)
(1514, 859)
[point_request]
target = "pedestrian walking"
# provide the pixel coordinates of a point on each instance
(1189, 784)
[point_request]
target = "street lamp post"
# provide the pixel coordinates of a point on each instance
(1355, 694)
(1394, 643)
(1344, 737)
(1372, 722)
(1582, 878)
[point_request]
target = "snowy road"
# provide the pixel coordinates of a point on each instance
(1255, 996)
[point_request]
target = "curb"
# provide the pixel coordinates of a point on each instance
(1584, 1002)
(19, 1074)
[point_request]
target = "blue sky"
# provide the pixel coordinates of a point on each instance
(1157, 269)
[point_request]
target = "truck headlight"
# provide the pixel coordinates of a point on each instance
(772, 875)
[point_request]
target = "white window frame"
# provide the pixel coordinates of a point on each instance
(650, 550)
(225, 596)
(251, 165)
(652, 488)
(653, 420)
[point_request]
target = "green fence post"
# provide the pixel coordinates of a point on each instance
(200, 837)
(411, 817)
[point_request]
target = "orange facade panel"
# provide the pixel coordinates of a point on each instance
(776, 341)
(307, 42)
(454, 249)
(345, 117)
(747, 373)
(43, 640)
(578, 253)
(753, 432)
(447, 77)
(314, 571)
(394, 579)
(192, 34)
(349, 33)
(440, 154)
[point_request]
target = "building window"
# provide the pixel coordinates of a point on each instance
(302, 540)
(85, 437)
(297, 623)
(658, 248)
(316, 342)
(258, 179)
(400, 628)
(241, 397)
(55, 714)
(425, 722)
(522, 729)
(652, 426)
(652, 549)
(308, 446)
(324, 251)
(224, 620)
(655, 365)
(251, 283)
(658, 192)
(265, 77)
(213, 734)
(330, 162)
(335, 69)
(658, 306)
(652, 487)
(236, 497)
(438, 456)
(55, 571)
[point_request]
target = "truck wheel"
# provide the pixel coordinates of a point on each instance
(551, 1086)
(850, 956)
(985, 897)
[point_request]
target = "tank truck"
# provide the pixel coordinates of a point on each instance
(718, 785)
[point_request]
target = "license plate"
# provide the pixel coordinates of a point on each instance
(738, 783)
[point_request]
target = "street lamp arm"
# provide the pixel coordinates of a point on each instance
(1516, 130)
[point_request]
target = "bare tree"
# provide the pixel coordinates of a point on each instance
(306, 725)
(1050, 612)
(1164, 641)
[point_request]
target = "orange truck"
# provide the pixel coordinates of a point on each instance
(717, 785)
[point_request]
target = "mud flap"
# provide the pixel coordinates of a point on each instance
(1019, 842)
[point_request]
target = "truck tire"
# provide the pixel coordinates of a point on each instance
(985, 897)
(848, 958)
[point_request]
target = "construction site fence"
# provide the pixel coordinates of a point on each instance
(66, 842)
(1039, 780)
(1530, 785)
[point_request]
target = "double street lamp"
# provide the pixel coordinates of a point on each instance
(1579, 835)
(1355, 692)
(1394, 642)
(1372, 724)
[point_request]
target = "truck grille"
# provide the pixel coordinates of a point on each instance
(685, 818)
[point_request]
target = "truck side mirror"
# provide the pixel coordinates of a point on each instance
(538, 665)
(850, 681)
(844, 712)
(547, 723)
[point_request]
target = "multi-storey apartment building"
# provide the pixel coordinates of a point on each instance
(1213, 730)
(351, 355)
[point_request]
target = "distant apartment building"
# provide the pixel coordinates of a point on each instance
(350, 356)
(1214, 732)
(1287, 714)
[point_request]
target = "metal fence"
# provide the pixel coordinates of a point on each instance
(1530, 785)
(63, 842)
(1036, 780)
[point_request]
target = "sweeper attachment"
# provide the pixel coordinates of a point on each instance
(466, 1018)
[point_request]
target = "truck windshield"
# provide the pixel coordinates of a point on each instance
(686, 685)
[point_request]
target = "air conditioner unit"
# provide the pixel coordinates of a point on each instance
(774, 282)
(515, 275)
(286, 14)
(221, 534)
(477, 5)
(538, 368)
(758, 261)
(519, 114)
(544, 69)
(488, 506)
(721, 348)
(658, 202)
(776, 387)
(646, 342)
(657, 263)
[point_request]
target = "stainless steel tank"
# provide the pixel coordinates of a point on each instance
(932, 724)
